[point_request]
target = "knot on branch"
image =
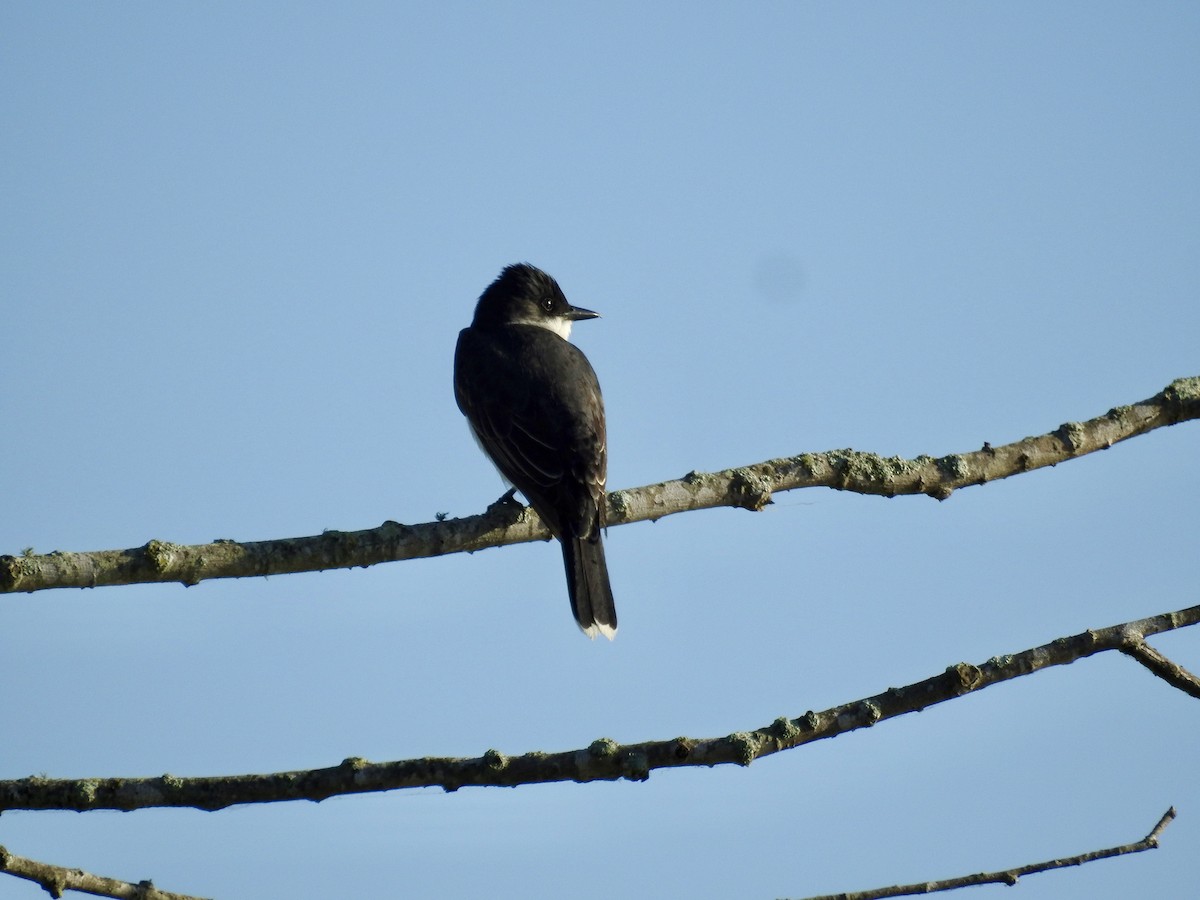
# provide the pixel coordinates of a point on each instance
(1181, 395)
(160, 554)
(746, 745)
(618, 507)
(750, 490)
(85, 790)
(603, 748)
(1073, 436)
(871, 712)
(13, 569)
(356, 766)
(862, 714)
(785, 729)
(966, 675)
(495, 761)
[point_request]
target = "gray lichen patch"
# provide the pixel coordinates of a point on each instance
(161, 554)
(1185, 389)
(954, 466)
(871, 467)
(1073, 435)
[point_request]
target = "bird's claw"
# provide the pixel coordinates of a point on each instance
(507, 500)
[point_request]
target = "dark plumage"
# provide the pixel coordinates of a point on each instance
(534, 404)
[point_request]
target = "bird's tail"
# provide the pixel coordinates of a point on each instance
(587, 583)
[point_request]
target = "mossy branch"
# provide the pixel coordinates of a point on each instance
(602, 760)
(748, 487)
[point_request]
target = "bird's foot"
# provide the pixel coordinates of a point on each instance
(507, 501)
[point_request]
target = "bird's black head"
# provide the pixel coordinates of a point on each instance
(525, 295)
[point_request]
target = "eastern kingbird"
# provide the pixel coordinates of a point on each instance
(534, 404)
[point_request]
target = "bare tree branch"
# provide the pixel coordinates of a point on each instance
(55, 880)
(1171, 672)
(603, 760)
(1008, 876)
(748, 487)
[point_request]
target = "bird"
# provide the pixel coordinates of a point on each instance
(533, 402)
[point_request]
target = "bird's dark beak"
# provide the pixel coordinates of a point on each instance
(576, 314)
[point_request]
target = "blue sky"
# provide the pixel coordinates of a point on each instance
(239, 241)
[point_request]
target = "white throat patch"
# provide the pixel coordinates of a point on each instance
(558, 324)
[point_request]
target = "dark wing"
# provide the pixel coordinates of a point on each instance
(534, 404)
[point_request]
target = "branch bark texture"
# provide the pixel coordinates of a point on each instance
(603, 760)
(747, 487)
(55, 880)
(1008, 876)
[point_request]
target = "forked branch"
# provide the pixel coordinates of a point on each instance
(602, 760)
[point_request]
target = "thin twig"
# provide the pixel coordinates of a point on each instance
(55, 880)
(1166, 669)
(747, 487)
(603, 760)
(1008, 876)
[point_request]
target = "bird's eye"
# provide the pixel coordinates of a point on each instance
(548, 304)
